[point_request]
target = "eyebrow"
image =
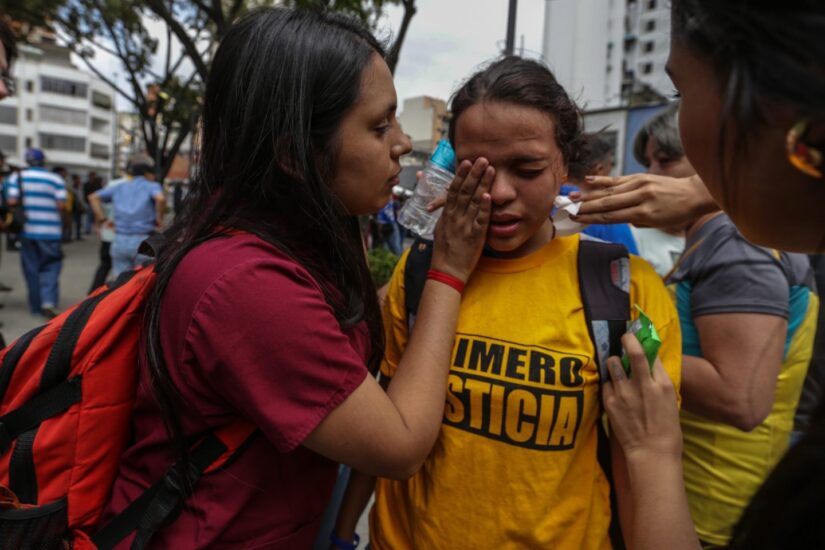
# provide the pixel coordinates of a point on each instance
(526, 159)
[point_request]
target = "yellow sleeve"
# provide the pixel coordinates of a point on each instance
(648, 290)
(395, 319)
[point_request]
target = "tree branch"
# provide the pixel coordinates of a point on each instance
(395, 50)
(158, 8)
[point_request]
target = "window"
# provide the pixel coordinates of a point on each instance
(650, 25)
(8, 115)
(29, 115)
(647, 68)
(62, 143)
(100, 125)
(100, 151)
(30, 85)
(28, 142)
(651, 4)
(61, 115)
(649, 46)
(101, 100)
(8, 144)
(63, 87)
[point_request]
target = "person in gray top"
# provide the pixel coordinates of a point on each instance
(748, 317)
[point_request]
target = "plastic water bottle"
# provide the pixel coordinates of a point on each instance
(437, 176)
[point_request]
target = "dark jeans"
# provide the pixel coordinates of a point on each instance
(104, 267)
(41, 261)
(77, 218)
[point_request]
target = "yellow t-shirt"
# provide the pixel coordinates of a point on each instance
(515, 464)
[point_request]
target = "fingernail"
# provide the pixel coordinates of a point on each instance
(589, 178)
(575, 195)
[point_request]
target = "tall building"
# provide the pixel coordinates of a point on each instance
(66, 112)
(609, 53)
(424, 119)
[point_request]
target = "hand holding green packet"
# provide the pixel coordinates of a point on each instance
(646, 333)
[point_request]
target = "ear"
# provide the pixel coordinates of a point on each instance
(283, 158)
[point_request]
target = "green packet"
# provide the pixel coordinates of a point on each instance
(646, 334)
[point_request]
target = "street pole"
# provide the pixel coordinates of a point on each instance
(511, 28)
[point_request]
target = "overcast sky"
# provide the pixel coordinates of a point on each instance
(448, 39)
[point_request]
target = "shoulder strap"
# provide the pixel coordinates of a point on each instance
(160, 504)
(604, 282)
(415, 276)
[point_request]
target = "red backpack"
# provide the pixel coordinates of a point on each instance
(67, 390)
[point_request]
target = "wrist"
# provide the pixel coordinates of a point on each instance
(642, 462)
(344, 543)
(446, 279)
(442, 267)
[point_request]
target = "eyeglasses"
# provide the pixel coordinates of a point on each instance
(10, 83)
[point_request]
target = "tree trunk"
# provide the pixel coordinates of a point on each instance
(395, 49)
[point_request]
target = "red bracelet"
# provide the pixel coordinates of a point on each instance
(448, 280)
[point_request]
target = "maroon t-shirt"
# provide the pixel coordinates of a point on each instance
(246, 333)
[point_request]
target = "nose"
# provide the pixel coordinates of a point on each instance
(402, 146)
(503, 190)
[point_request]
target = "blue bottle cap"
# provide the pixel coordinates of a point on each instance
(444, 156)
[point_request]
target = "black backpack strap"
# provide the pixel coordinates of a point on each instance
(153, 245)
(161, 503)
(13, 356)
(604, 281)
(415, 276)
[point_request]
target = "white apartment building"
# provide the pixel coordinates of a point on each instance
(66, 112)
(424, 119)
(609, 53)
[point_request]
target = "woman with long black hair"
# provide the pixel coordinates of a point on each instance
(264, 311)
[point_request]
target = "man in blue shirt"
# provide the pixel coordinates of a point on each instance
(137, 206)
(43, 194)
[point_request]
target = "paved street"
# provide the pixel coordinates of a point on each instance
(79, 265)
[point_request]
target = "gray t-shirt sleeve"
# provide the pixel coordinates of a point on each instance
(739, 277)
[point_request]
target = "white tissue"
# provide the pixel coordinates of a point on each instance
(561, 217)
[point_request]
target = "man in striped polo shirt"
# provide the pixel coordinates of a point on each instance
(43, 194)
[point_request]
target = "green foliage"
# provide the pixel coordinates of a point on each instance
(382, 263)
(368, 11)
(166, 95)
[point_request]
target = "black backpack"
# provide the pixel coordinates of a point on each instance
(604, 280)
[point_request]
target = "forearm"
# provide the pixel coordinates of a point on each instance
(97, 208)
(357, 496)
(419, 384)
(661, 517)
(160, 210)
(702, 202)
(706, 392)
